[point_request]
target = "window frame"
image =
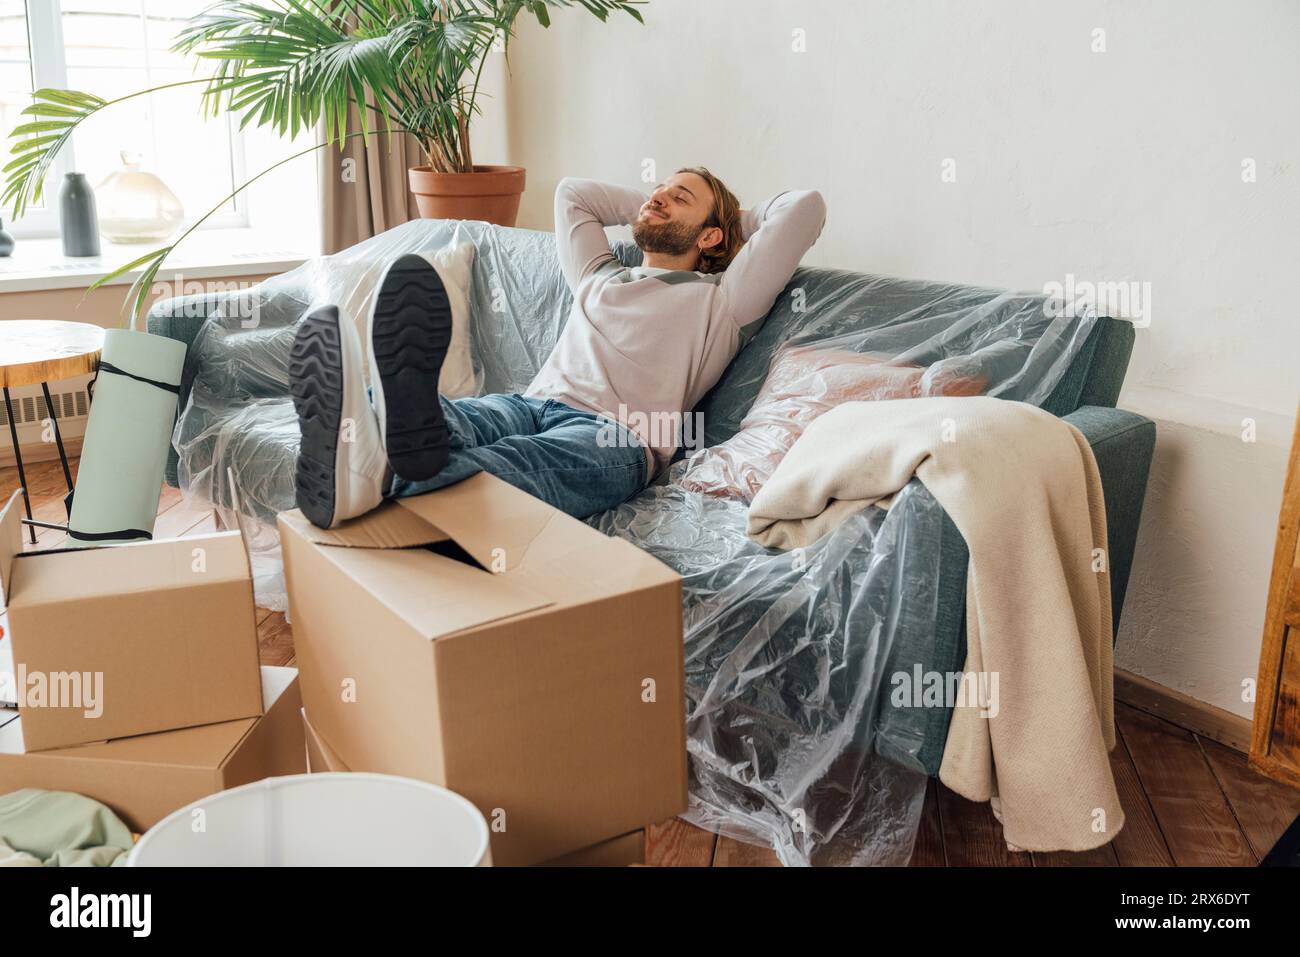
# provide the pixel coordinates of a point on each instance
(48, 57)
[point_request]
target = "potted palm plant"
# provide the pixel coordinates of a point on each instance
(413, 63)
(387, 66)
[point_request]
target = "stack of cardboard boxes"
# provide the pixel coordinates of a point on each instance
(479, 639)
(135, 672)
(473, 637)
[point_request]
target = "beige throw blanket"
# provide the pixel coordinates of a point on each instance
(1022, 487)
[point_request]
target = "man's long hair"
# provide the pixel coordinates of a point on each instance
(726, 217)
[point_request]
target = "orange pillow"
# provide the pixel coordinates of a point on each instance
(802, 383)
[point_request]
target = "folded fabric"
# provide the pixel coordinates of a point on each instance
(61, 829)
(1023, 489)
(803, 383)
(11, 858)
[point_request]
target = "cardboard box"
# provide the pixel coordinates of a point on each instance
(477, 638)
(622, 851)
(144, 778)
(320, 756)
(128, 639)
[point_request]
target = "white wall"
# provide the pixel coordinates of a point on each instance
(1116, 165)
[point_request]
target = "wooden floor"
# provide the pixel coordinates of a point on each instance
(1189, 801)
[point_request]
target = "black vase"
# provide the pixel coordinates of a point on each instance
(78, 218)
(6, 241)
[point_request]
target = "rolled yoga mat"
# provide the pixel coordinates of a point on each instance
(124, 454)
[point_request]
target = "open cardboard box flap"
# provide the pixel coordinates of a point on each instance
(388, 526)
(527, 555)
(497, 537)
(510, 532)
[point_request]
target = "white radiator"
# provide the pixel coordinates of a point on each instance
(35, 435)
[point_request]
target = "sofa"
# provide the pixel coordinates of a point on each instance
(509, 346)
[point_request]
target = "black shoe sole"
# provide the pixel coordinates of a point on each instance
(409, 337)
(316, 384)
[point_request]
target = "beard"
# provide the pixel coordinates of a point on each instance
(671, 239)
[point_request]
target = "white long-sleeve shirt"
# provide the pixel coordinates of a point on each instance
(642, 346)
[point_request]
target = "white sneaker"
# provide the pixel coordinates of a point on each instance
(341, 462)
(409, 331)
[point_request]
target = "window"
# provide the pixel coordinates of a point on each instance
(16, 83)
(114, 47)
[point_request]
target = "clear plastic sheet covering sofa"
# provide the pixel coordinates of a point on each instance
(791, 740)
(238, 420)
(790, 657)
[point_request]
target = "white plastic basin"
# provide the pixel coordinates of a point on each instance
(321, 820)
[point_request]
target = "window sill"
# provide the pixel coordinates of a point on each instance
(38, 265)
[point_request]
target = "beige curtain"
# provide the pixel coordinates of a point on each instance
(364, 189)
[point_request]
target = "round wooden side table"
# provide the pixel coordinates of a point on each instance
(43, 351)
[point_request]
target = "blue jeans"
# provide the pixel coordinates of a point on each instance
(548, 449)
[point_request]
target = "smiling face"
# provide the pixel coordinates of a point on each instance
(678, 217)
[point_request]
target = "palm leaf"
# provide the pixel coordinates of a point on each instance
(37, 143)
(25, 174)
(293, 64)
(138, 294)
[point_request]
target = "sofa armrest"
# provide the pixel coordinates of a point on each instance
(1123, 444)
(181, 318)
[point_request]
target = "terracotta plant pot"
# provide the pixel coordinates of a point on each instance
(490, 193)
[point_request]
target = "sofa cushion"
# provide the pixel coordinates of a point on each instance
(803, 383)
(891, 316)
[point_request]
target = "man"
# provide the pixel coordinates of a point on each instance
(641, 346)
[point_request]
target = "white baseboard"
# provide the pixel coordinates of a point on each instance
(31, 415)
